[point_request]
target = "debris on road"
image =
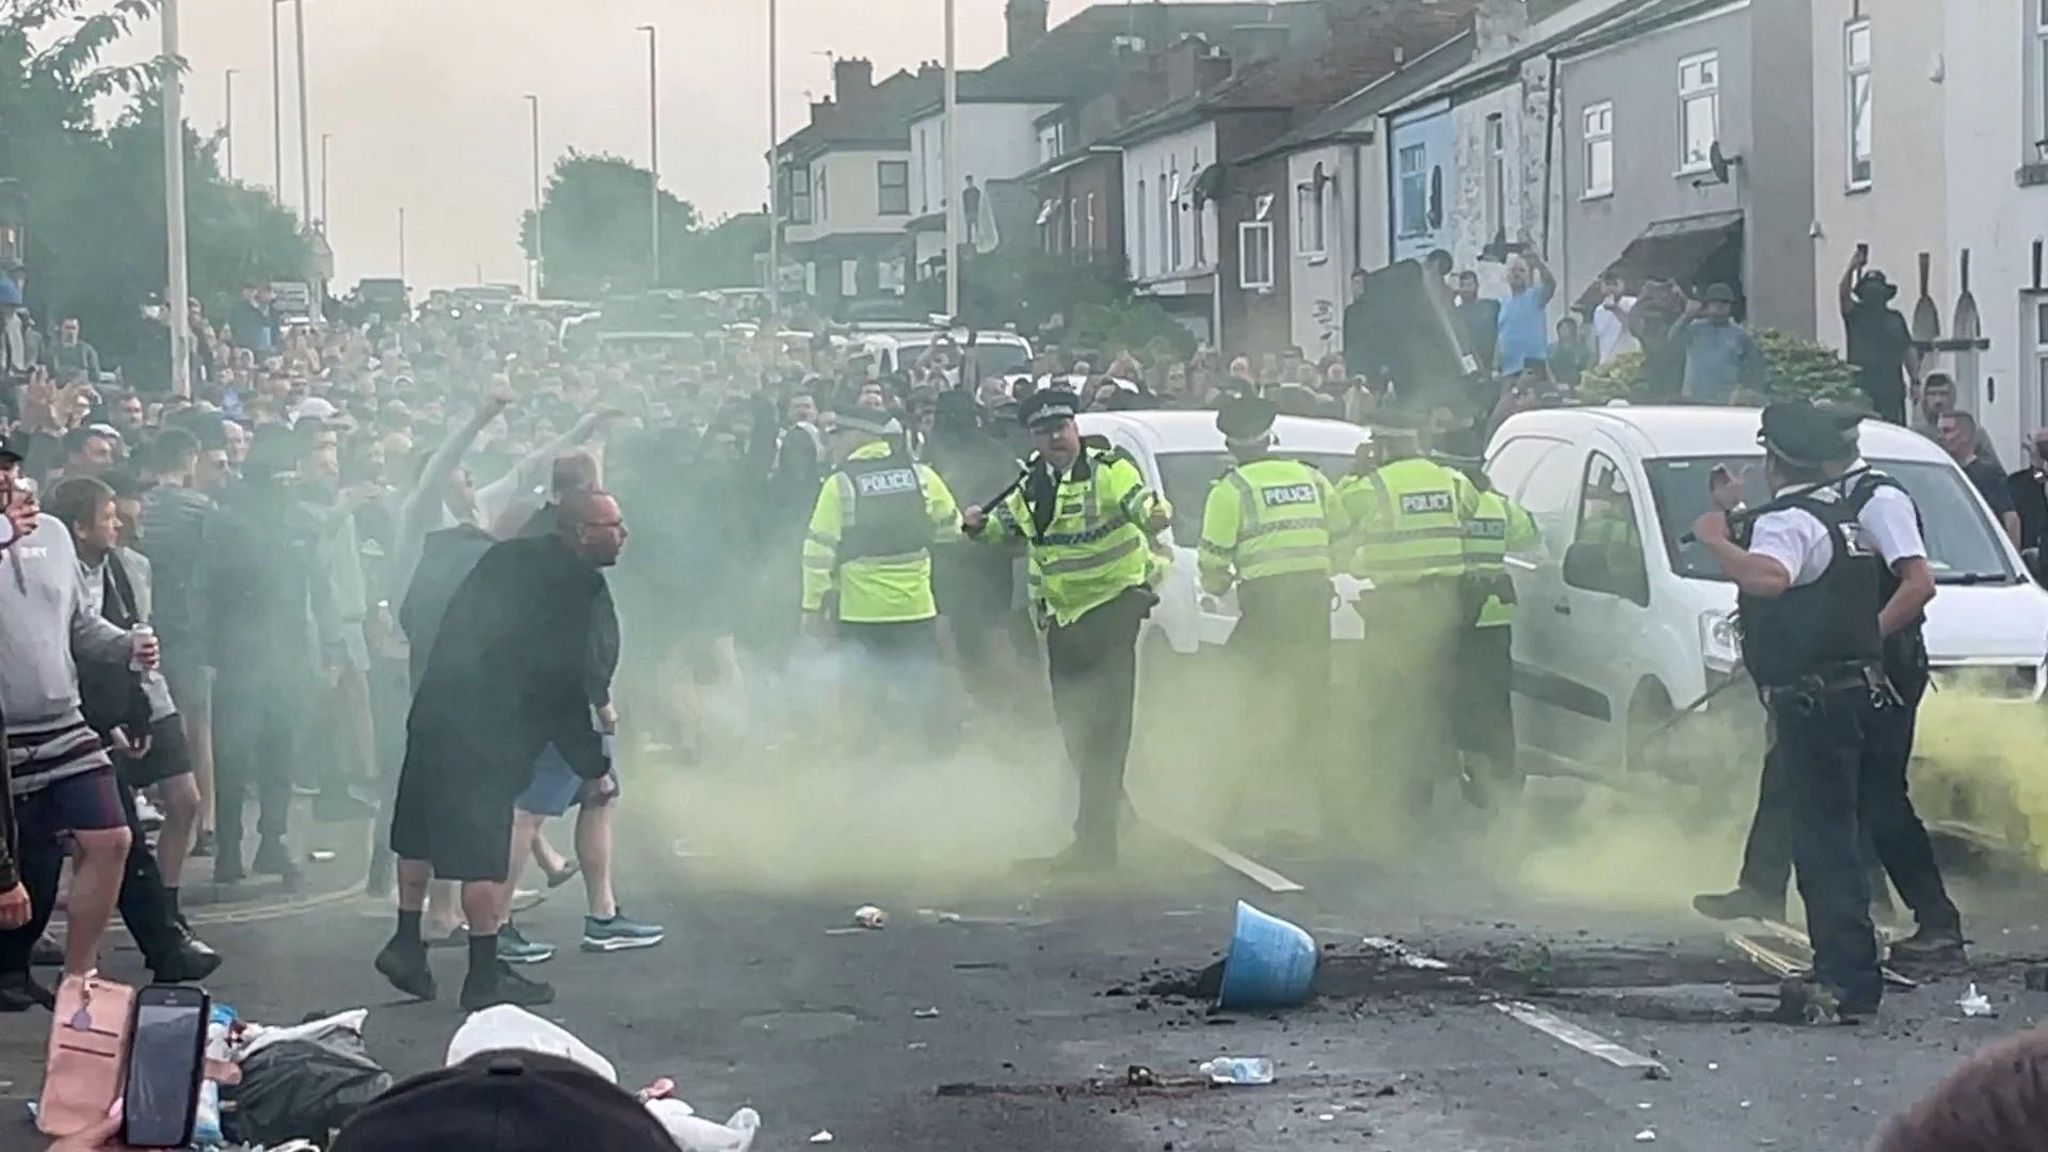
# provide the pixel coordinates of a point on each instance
(1646, 1136)
(2036, 979)
(1403, 955)
(938, 916)
(1271, 962)
(320, 856)
(870, 917)
(926, 1014)
(1139, 1076)
(821, 1136)
(1975, 1003)
(1238, 1070)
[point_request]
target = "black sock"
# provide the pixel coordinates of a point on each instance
(483, 955)
(171, 898)
(408, 928)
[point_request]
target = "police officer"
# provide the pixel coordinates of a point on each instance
(869, 548)
(1268, 528)
(1892, 829)
(1486, 718)
(1088, 519)
(1809, 591)
(1408, 515)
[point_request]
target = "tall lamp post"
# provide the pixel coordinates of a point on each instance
(401, 244)
(276, 105)
(539, 249)
(228, 124)
(324, 138)
(176, 314)
(305, 137)
(653, 154)
(774, 172)
(952, 138)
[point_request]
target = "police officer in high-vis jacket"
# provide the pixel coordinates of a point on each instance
(867, 568)
(1088, 519)
(1486, 664)
(1268, 528)
(1809, 588)
(1408, 514)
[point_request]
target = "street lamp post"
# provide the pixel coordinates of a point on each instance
(228, 125)
(276, 105)
(951, 136)
(401, 244)
(179, 288)
(539, 249)
(774, 172)
(653, 154)
(305, 137)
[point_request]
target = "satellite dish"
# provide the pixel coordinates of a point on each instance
(1720, 162)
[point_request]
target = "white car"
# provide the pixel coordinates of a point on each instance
(1603, 657)
(1182, 455)
(996, 353)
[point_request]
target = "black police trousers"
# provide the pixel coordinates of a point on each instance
(1893, 835)
(1486, 710)
(1093, 666)
(1281, 647)
(1823, 739)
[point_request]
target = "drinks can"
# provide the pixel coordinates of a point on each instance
(140, 631)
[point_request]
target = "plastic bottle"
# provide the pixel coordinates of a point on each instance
(1238, 1070)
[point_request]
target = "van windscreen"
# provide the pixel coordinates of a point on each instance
(1961, 547)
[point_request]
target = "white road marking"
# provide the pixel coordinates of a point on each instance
(1585, 1040)
(1244, 865)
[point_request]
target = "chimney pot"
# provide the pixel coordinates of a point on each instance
(1026, 22)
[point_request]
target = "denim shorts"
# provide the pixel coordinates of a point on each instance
(556, 787)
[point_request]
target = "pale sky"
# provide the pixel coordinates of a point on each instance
(425, 103)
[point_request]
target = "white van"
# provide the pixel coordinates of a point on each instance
(1604, 656)
(996, 353)
(1182, 456)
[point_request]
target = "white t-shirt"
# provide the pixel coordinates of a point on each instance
(1611, 336)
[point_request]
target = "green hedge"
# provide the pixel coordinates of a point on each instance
(1799, 369)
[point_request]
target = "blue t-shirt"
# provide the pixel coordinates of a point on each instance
(1524, 334)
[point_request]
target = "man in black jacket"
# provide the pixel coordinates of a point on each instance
(509, 674)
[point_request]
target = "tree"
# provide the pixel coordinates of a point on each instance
(596, 233)
(724, 255)
(89, 197)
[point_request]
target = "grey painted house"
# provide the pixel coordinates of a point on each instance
(1646, 103)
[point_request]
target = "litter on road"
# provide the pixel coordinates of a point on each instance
(821, 1137)
(1238, 1070)
(870, 917)
(926, 1013)
(1646, 1136)
(1975, 1003)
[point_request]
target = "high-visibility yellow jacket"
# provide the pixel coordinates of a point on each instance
(1268, 517)
(1499, 527)
(1098, 543)
(871, 536)
(1408, 520)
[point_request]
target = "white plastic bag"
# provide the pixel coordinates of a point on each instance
(693, 1133)
(507, 1026)
(258, 1037)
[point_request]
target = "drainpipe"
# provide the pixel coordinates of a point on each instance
(1357, 214)
(1549, 150)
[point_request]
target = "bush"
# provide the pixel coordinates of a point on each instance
(1799, 369)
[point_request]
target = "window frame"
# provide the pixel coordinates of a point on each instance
(883, 187)
(1247, 229)
(1091, 223)
(1175, 214)
(1495, 142)
(1589, 139)
(1167, 261)
(800, 195)
(1418, 224)
(1705, 90)
(1142, 264)
(1312, 217)
(820, 193)
(1859, 168)
(2036, 317)
(2038, 80)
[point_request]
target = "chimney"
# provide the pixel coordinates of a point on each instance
(852, 79)
(1192, 66)
(1027, 21)
(1500, 23)
(822, 112)
(1251, 43)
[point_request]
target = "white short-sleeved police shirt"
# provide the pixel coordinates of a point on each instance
(1892, 526)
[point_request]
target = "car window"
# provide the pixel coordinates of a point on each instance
(1607, 509)
(1548, 493)
(1186, 478)
(1963, 546)
(1511, 463)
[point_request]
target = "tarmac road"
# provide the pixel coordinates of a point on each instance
(763, 999)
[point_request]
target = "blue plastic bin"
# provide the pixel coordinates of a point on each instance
(1272, 963)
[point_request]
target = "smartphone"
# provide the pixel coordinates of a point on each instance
(1863, 251)
(166, 1059)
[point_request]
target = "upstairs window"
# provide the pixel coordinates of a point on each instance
(1599, 136)
(1699, 110)
(1856, 66)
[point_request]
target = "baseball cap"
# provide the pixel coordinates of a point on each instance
(8, 452)
(505, 1101)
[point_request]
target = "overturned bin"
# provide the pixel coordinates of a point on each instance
(1271, 963)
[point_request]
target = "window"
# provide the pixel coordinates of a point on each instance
(1699, 109)
(1091, 223)
(1168, 258)
(1141, 266)
(1255, 254)
(892, 187)
(1200, 213)
(824, 205)
(1607, 522)
(1599, 133)
(1856, 60)
(849, 278)
(2039, 307)
(800, 197)
(1496, 176)
(2039, 82)
(924, 176)
(1413, 172)
(1176, 218)
(1048, 143)
(1311, 216)
(1074, 224)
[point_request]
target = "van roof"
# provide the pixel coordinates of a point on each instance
(1693, 430)
(1164, 432)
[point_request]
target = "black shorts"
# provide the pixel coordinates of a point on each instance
(462, 830)
(168, 756)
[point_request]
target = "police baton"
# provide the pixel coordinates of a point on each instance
(1734, 677)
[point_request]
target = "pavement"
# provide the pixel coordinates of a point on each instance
(999, 1010)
